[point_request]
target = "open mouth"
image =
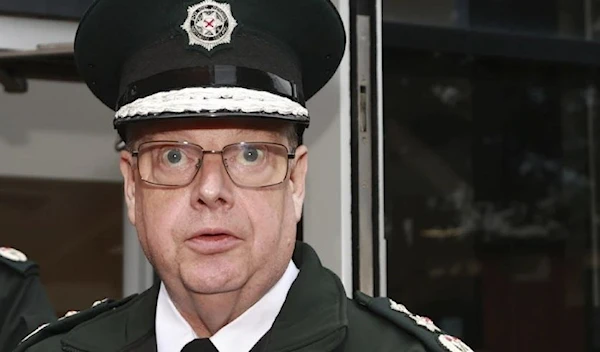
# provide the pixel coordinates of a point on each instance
(208, 241)
(213, 237)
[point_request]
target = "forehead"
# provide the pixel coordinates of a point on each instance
(202, 128)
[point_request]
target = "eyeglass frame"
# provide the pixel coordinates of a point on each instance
(290, 156)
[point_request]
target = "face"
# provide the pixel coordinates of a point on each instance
(213, 236)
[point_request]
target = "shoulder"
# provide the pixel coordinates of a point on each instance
(22, 291)
(48, 337)
(373, 332)
(16, 264)
(393, 325)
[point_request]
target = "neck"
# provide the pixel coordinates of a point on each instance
(209, 313)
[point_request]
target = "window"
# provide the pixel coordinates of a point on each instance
(554, 18)
(489, 197)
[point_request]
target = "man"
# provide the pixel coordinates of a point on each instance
(24, 304)
(210, 101)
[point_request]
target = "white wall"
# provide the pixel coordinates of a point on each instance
(56, 130)
(19, 33)
(327, 210)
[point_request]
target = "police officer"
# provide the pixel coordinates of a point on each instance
(24, 305)
(210, 99)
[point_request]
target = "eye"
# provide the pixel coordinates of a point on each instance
(250, 155)
(173, 156)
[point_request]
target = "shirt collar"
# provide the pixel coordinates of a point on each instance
(173, 332)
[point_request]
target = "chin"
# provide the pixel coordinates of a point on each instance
(210, 287)
(212, 280)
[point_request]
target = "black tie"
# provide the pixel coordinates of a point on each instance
(200, 345)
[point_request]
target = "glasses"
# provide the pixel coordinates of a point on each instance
(176, 164)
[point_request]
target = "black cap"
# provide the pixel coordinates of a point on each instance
(158, 59)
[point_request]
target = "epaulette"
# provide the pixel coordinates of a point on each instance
(70, 320)
(422, 328)
(17, 261)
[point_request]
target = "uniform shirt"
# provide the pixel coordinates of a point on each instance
(24, 304)
(173, 332)
(317, 316)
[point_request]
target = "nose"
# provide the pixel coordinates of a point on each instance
(212, 186)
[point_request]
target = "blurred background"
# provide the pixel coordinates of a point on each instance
(483, 200)
(491, 127)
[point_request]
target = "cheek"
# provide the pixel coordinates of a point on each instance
(272, 216)
(264, 212)
(159, 214)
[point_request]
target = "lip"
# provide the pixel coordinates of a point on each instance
(212, 241)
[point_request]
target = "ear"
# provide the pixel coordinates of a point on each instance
(127, 170)
(298, 179)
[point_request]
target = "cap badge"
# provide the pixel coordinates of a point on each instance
(209, 24)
